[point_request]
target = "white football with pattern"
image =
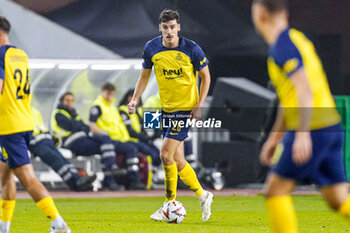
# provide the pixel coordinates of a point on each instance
(173, 212)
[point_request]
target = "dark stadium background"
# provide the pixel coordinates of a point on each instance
(222, 27)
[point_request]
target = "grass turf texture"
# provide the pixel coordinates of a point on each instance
(230, 214)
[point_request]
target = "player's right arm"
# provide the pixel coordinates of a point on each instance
(274, 138)
(141, 84)
(139, 89)
(302, 146)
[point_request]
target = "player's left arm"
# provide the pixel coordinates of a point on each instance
(302, 147)
(139, 89)
(204, 74)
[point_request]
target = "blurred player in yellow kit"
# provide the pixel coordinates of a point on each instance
(176, 61)
(16, 126)
(307, 120)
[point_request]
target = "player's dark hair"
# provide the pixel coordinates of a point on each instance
(4, 24)
(273, 6)
(168, 15)
(64, 96)
(108, 87)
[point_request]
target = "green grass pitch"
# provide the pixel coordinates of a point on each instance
(230, 214)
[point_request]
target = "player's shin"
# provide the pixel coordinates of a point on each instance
(281, 214)
(188, 176)
(170, 181)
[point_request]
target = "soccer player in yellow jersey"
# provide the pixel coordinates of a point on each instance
(307, 120)
(16, 126)
(176, 61)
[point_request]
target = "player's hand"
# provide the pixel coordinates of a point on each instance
(302, 148)
(196, 113)
(132, 107)
(266, 153)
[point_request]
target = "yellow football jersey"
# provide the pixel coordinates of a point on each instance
(176, 71)
(291, 52)
(15, 112)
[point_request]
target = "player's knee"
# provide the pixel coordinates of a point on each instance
(180, 164)
(179, 160)
(166, 156)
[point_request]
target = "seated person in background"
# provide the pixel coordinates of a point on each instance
(105, 120)
(67, 125)
(134, 124)
(43, 145)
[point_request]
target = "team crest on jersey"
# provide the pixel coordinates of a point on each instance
(178, 57)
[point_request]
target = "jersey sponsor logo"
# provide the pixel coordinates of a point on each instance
(170, 73)
(158, 59)
(171, 133)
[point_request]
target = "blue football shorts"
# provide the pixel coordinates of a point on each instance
(172, 126)
(325, 168)
(15, 149)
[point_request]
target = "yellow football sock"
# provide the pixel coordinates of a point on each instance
(48, 207)
(7, 208)
(281, 214)
(188, 176)
(150, 172)
(344, 209)
(170, 181)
